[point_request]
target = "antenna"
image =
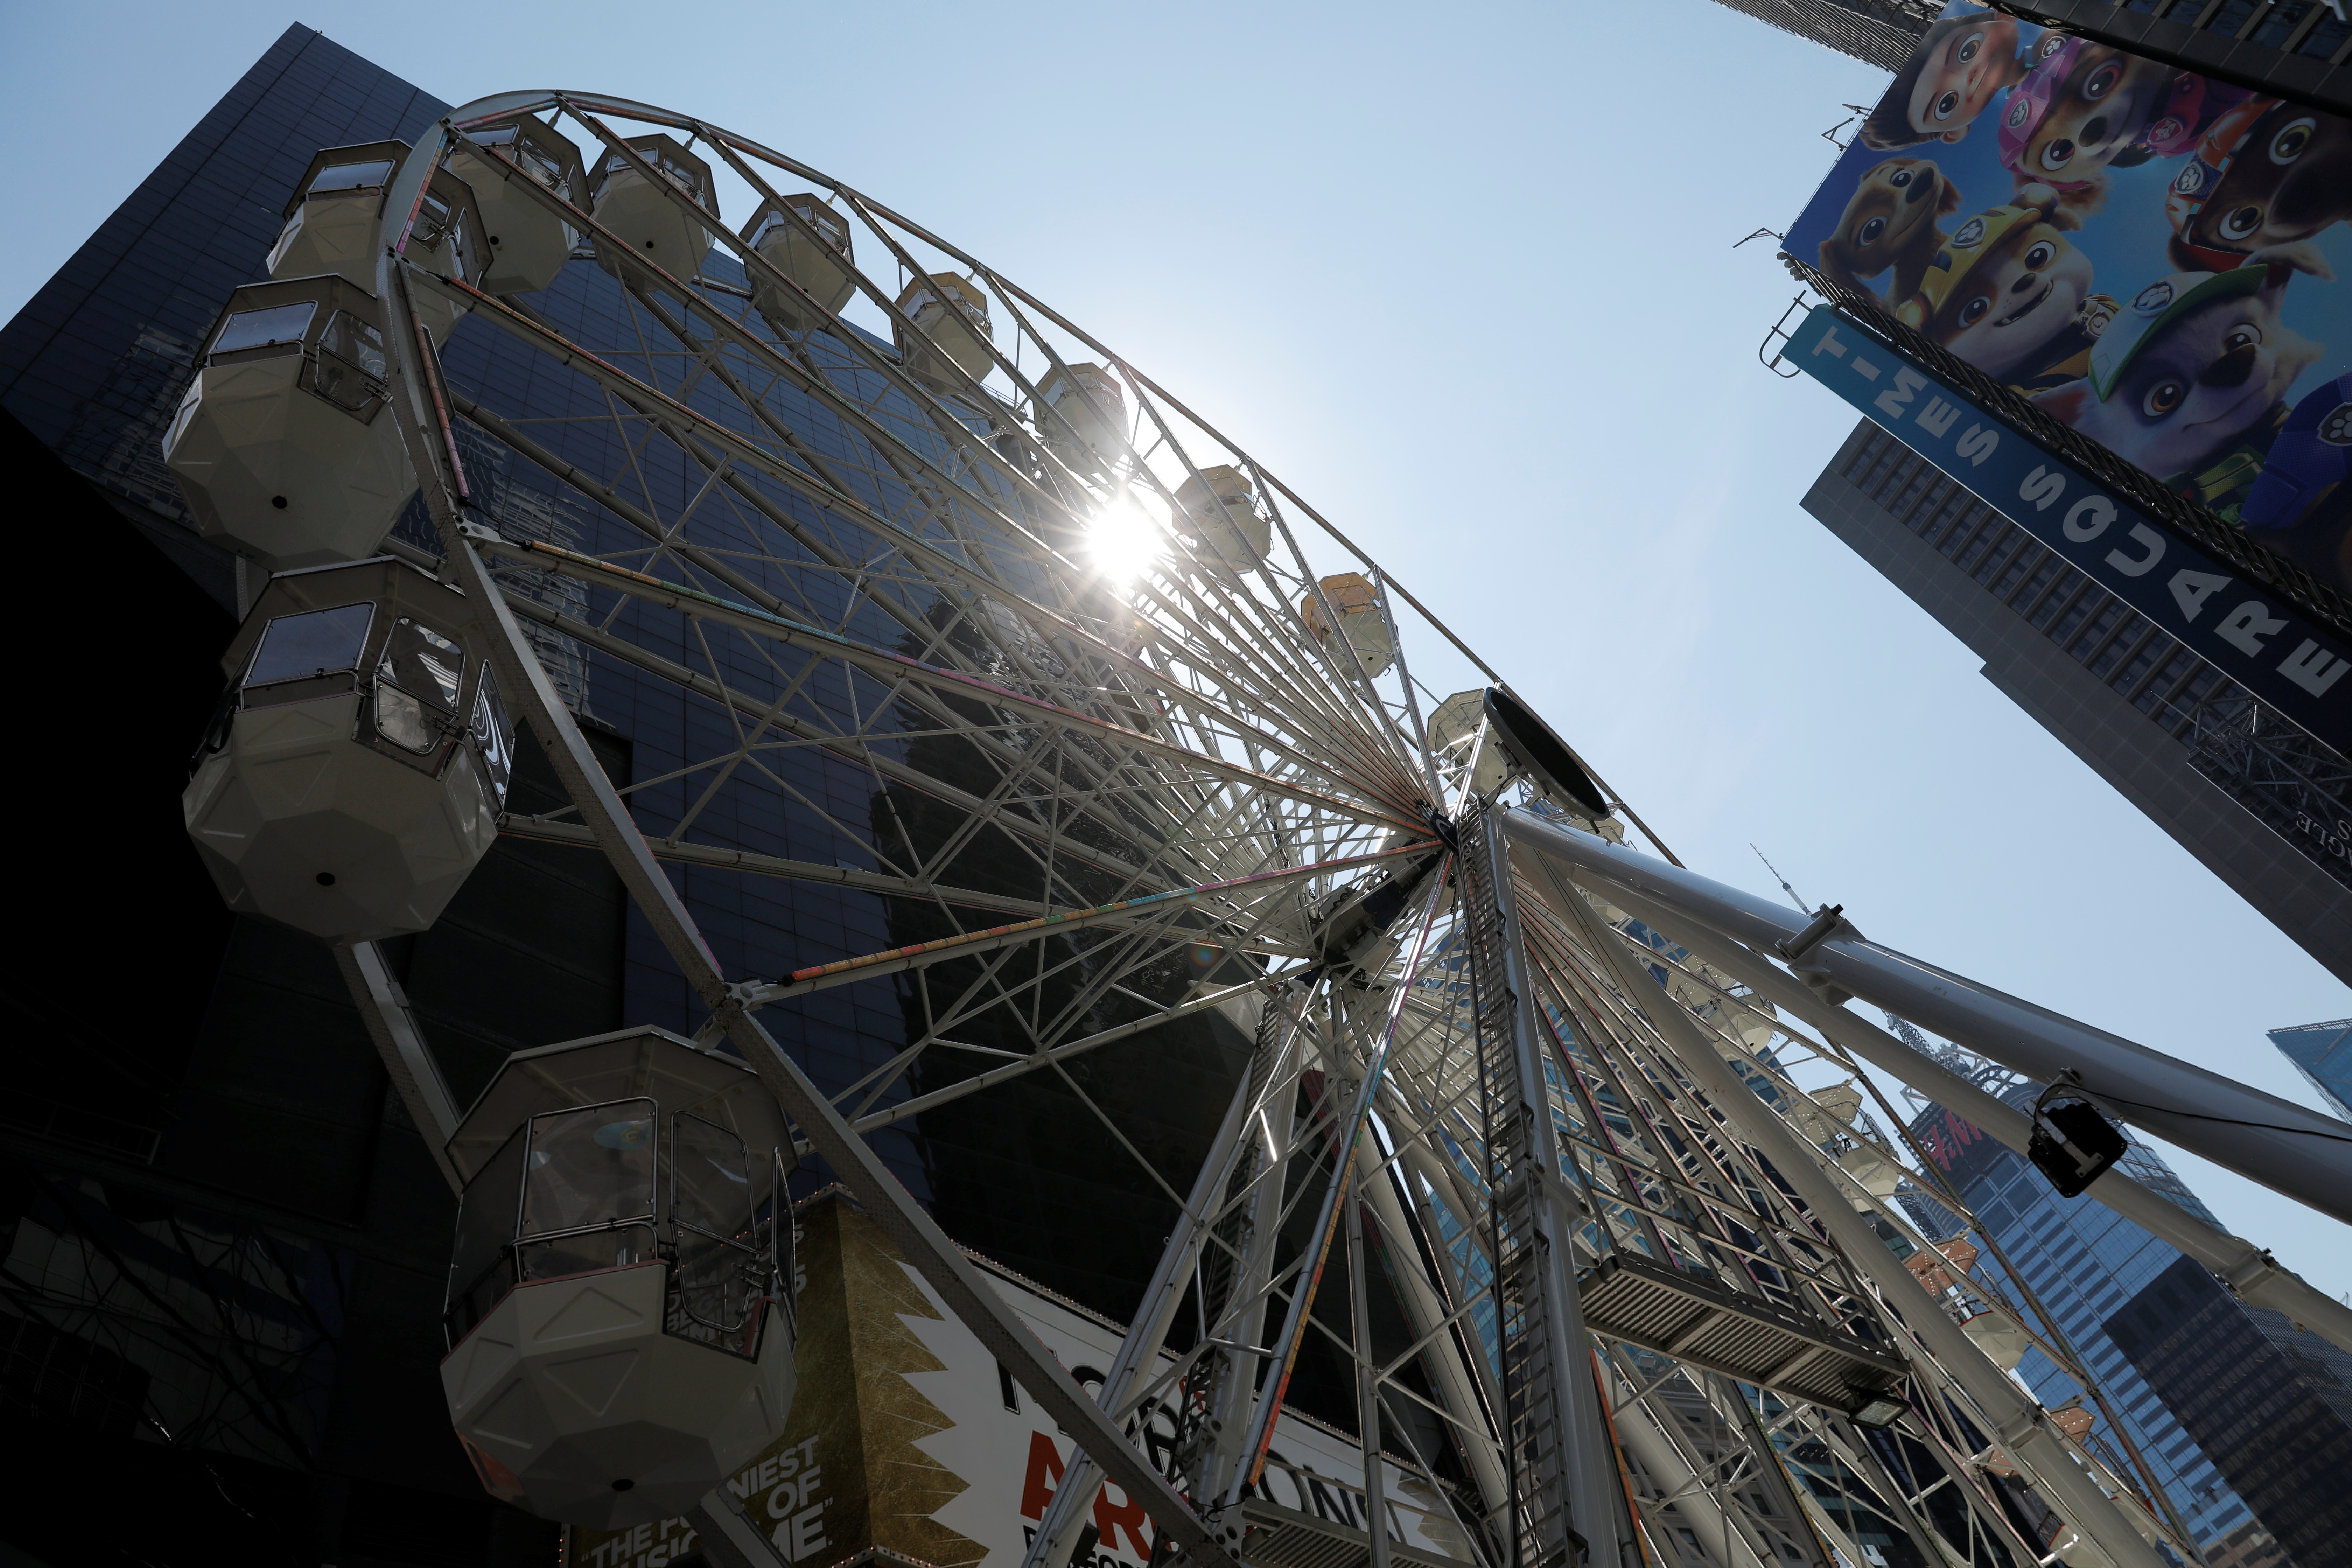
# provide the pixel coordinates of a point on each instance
(1783, 881)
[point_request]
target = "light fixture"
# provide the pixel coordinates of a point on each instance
(2073, 1144)
(1881, 1412)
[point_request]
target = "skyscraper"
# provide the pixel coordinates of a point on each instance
(2236, 1435)
(2322, 1053)
(2299, 49)
(1881, 32)
(2254, 797)
(2257, 799)
(2268, 1402)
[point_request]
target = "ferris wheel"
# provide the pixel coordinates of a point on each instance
(959, 609)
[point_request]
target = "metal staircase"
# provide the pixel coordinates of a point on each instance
(1547, 1389)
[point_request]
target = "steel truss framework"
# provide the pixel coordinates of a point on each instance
(210, 1332)
(1534, 1082)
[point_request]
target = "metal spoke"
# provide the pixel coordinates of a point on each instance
(1640, 1309)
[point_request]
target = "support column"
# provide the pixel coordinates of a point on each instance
(400, 1045)
(1567, 1502)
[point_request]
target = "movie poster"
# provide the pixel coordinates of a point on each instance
(2160, 260)
(907, 1438)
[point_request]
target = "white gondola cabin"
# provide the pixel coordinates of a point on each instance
(816, 252)
(282, 445)
(528, 243)
(1089, 402)
(1220, 513)
(353, 774)
(1357, 603)
(1455, 727)
(642, 210)
(334, 223)
(950, 313)
(620, 1306)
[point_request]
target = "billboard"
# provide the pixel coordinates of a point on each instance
(2265, 643)
(2159, 260)
(907, 1436)
(1959, 1149)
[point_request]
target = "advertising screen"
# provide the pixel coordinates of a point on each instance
(1959, 1149)
(2160, 260)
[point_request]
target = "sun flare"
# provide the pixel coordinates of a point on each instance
(1122, 542)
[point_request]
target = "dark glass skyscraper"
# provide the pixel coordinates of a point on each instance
(2270, 1404)
(2233, 1408)
(226, 1243)
(2253, 797)
(1881, 32)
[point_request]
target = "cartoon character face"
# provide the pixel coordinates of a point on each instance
(2288, 176)
(1890, 222)
(2205, 376)
(1961, 74)
(2014, 301)
(2306, 479)
(2093, 115)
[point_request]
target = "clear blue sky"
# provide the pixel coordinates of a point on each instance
(1465, 277)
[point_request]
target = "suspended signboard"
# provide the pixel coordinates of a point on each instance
(908, 1441)
(2158, 259)
(2264, 642)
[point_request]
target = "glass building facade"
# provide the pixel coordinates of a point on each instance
(2294, 49)
(1880, 32)
(2322, 1054)
(2254, 797)
(225, 1242)
(2148, 1323)
(2269, 1404)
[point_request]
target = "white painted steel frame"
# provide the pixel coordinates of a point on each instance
(1262, 714)
(1735, 930)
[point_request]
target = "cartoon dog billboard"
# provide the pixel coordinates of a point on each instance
(2150, 254)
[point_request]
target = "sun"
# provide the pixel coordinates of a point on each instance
(1121, 542)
